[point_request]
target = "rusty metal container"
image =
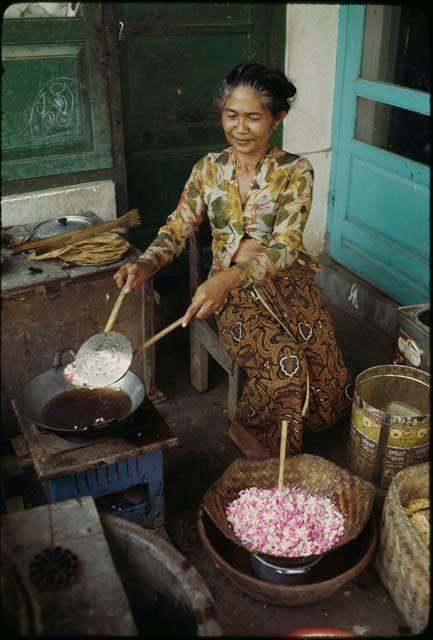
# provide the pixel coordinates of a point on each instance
(167, 596)
(390, 422)
(412, 346)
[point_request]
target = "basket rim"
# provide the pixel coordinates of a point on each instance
(238, 463)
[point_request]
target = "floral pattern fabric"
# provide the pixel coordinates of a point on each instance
(275, 213)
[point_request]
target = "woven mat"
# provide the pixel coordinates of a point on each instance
(352, 495)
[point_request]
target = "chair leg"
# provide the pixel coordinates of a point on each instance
(234, 391)
(199, 361)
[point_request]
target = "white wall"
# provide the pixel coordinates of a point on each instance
(312, 33)
(42, 10)
(37, 206)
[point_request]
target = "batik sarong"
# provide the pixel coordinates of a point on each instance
(281, 335)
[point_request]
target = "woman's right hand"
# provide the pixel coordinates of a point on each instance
(133, 275)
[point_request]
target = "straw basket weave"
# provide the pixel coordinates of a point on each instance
(352, 495)
(402, 558)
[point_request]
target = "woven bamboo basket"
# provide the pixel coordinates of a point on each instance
(352, 495)
(402, 558)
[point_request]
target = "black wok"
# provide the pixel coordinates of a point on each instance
(46, 386)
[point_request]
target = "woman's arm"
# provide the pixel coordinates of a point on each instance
(294, 207)
(171, 238)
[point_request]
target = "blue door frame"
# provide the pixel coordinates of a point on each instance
(378, 215)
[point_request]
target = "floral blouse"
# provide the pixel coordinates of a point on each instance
(275, 213)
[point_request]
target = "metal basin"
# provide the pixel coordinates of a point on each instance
(334, 570)
(167, 596)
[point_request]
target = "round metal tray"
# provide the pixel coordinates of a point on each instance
(331, 573)
(60, 225)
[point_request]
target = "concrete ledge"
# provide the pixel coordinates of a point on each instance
(37, 206)
(356, 296)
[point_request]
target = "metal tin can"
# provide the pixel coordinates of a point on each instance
(412, 346)
(390, 422)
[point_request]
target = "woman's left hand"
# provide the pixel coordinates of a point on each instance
(211, 295)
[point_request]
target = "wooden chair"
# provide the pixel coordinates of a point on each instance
(204, 333)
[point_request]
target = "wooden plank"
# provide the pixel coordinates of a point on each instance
(235, 384)
(115, 102)
(199, 363)
(393, 94)
(210, 341)
(53, 457)
(20, 446)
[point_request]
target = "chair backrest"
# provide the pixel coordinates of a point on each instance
(198, 241)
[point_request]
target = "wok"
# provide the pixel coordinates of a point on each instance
(46, 386)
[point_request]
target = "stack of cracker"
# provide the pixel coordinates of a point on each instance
(103, 249)
(418, 512)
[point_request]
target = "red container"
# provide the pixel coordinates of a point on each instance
(321, 632)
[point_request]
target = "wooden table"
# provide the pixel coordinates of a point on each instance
(60, 306)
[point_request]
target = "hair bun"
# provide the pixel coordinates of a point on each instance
(276, 89)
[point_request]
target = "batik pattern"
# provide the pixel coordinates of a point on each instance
(276, 361)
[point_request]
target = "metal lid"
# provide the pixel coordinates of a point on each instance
(60, 225)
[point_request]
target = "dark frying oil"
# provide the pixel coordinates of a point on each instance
(79, 408)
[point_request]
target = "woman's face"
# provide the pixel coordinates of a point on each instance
(247, 124)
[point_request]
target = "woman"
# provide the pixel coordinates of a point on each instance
(270, 315)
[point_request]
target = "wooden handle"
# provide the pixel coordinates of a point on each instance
(282, 454)
(113, 315)
(159, 335)
(132, 218)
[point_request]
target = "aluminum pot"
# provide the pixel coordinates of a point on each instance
(283, 573)
(46, 386)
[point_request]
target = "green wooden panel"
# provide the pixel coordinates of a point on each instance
(54, 104)
(172, 62)
(189, 13)
(180, 111)
(58, 116)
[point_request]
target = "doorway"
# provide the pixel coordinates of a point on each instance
(378, 219)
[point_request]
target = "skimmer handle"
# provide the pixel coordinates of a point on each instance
(113, 314)
(159, 335)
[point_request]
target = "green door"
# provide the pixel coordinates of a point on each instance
(172, 60)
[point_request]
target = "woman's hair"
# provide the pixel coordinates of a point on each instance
(276, 90)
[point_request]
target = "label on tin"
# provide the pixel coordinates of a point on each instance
(397, 458)
(407, 444)
(407, 350)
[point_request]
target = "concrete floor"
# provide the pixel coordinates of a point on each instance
(362, 606)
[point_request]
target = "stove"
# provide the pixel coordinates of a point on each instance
(60, 576)
(122, 471)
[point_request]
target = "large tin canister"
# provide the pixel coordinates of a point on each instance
(412, 346)
(390, 423)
